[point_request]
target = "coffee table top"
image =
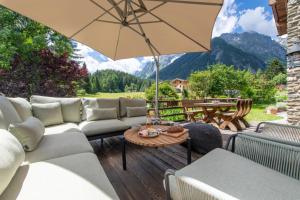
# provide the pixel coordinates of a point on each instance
(131, 135)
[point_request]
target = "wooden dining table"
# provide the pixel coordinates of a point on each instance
(210, 110)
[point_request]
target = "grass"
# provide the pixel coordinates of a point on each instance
(257, 113)
(116, 95)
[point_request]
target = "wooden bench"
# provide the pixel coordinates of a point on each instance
(191, 110)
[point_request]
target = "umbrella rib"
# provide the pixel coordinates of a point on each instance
(87, 25)
(117, 44)
(149, 22)
(147, 11)
(107, 11)
(189, 2)
(106, 21)
(179, 31)
(143, 34)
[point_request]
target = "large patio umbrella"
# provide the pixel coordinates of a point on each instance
(128, 28)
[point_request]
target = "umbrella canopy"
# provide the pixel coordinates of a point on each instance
(128, 28)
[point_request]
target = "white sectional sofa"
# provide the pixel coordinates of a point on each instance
(63, 165)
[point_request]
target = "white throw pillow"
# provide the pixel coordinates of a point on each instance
(11, 157)
(48, 113)
(8, 113)
(93, 114)
(29, 133)
(22, 106)
(136, 111)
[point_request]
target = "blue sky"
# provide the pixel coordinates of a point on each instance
(235, 16)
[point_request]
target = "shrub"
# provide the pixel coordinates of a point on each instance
(165, 92)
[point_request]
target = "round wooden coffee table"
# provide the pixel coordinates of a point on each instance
(131, 135)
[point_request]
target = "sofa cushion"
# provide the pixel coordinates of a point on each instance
(109, 103)
(126, 102)
(91, 128)
(93, 114)
(239, 177)
(71, 107)
(88, 103)
(133, 121)
(22, 106)
(99, 103)
(62, 128)
(29, 133)
(76, 177)
(48, 113)
(136, 111)
(58, 145)
(11, 157)
(8, 114)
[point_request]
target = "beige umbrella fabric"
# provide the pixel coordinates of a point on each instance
(128, 28)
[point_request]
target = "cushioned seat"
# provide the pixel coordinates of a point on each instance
(76, 177)
(133, 121)
(91, 128)
(62, 128)
(57, 145)
(238, 177)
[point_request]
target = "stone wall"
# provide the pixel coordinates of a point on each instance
(293, 29)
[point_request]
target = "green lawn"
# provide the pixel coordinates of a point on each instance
(258, 114)
(116, 95)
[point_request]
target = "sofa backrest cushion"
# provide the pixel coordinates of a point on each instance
(88, 103)
(136, 111)
(48, 113)
(126, 102)
(8, 113)
(93, 114)
(29, 133)
(22, 106)
(109, 103)
(99, 103)
(71, 107)
(12, 156)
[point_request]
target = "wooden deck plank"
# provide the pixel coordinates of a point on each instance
(146, 166)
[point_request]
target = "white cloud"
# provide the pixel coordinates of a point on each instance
(257, 20)
(227, 19)
(96, 61)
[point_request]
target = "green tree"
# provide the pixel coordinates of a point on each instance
(165, 91)
(200, 83)
(280, 79)
(20, 36)
(274, 68)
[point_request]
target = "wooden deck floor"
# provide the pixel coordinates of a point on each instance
(143, 178)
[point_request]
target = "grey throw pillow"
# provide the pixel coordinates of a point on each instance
(136, 111)
(29, 133)
(93, 114)
(48, 113)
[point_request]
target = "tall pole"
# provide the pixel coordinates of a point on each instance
(152, 49)
(157, 86)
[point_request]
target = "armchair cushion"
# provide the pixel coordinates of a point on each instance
(11, 157)
(136, 111)
(8, 114)
(93, 114)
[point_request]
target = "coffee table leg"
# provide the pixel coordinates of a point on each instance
(189, 151)
(124, 153)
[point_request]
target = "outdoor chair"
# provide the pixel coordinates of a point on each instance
(246, 110)
(191, 110)
(231, 119)
(280, 131)
(251, 163)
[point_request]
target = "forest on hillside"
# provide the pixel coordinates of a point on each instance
(114, 81)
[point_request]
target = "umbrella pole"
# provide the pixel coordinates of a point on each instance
(156, 86)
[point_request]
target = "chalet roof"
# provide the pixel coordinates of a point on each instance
(279, 8)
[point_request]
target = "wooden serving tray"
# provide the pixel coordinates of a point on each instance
(175, 135)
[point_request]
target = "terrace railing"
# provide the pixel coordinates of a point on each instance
(175, 111)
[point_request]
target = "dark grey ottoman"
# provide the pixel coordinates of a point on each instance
(205, 137)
